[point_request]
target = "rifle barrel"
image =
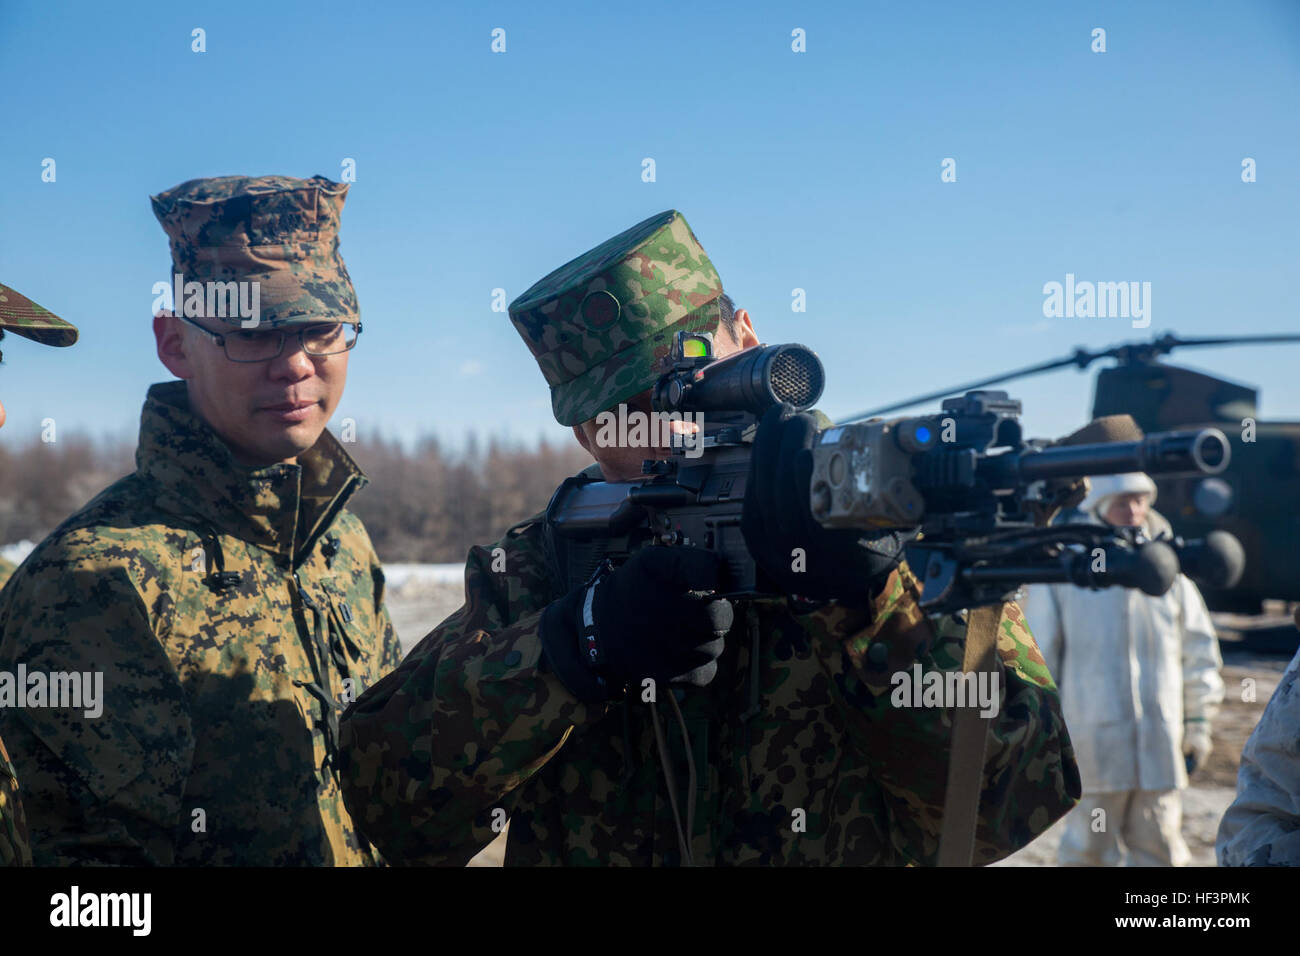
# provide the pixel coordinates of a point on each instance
(1205, 450)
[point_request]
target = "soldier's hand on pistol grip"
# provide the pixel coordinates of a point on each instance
(847, 565)
(646, 619)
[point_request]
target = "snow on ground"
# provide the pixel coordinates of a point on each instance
(412, 578)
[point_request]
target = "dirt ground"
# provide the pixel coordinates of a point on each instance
(418, 608)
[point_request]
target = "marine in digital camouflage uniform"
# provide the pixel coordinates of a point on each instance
(24, 317)
(230, 600)
(798, 717)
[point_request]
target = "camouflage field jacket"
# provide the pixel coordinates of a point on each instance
(231, 613)
(801, 757)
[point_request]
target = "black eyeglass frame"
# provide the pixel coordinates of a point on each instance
(220, 340)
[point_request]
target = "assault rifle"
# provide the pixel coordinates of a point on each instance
(965, 479)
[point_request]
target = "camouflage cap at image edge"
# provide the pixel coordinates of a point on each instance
(278, 231)
(600, 324)
(22, 316)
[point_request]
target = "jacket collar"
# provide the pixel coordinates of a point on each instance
(283, 509)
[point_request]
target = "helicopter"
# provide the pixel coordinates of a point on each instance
(1255, 498)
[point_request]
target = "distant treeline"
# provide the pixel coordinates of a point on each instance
(428, 505)
(422, 504)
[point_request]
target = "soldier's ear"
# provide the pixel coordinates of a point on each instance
(745, 330)
(169, 336)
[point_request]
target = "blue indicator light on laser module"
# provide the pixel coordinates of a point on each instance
(923, 435)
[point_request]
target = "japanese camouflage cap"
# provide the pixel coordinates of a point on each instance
(278, 231)
(22, 316)
(600, 325)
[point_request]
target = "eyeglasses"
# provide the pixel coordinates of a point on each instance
(262, 346)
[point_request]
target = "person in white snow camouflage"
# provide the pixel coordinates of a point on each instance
(1139, 679)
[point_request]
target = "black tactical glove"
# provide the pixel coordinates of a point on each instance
(641, 620)
(849, 565)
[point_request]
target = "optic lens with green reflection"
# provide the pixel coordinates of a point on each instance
(695, 347)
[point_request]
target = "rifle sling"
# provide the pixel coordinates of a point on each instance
(969, 741)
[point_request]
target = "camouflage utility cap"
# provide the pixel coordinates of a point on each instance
(278, 231)
(22, 316)
(599, 325)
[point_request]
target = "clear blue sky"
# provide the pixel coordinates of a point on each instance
(818, 170)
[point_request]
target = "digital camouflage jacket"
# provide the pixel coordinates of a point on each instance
(230, 611)
(801, 757)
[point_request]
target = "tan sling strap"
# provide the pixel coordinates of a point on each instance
(970, 732)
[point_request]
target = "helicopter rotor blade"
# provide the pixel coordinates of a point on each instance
(1169, 342)
(1081, 358)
